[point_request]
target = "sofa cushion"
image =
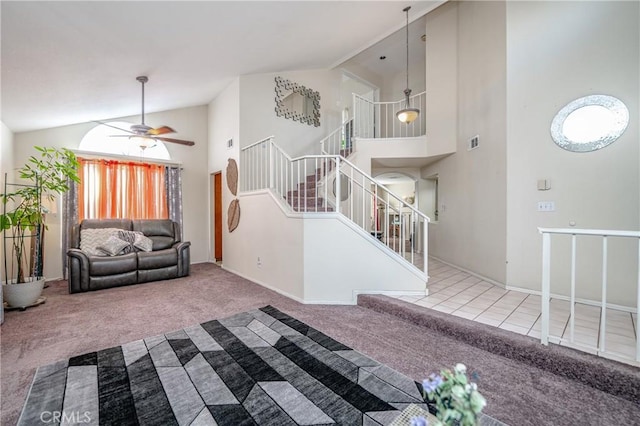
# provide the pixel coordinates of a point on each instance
(92, 238)
(143, 243)
(161, 231)
(161, 243)
(157, 259)
(102, 266)
(106, 223)
(114, 246)
(154, 227)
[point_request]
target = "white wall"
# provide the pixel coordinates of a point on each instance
(397, 148)
(6, 165)
(350, 85)
(441, 111)
(393, 87)
(191, 124)
(585, 48)
(471, 232)
(6, 149)
(224, 124)
(258, 118)
(265, 232)
(340, 262)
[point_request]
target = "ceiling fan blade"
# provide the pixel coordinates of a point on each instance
(113, 127)
(160, 131)
(179, 141)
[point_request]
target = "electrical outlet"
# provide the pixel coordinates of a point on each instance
(546, 206)
(259, 263)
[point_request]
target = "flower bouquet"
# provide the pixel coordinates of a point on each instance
(456, 398)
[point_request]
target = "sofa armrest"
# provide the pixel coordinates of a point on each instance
(184, 257)
(78, 273)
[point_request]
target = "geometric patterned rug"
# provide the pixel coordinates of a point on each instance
(260, 367)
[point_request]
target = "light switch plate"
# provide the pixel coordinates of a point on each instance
(546, 206)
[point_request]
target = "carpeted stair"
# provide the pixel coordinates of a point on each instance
(305, 198)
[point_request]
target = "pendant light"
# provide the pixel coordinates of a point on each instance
(407, 114)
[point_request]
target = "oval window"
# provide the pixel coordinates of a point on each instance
(589, 123)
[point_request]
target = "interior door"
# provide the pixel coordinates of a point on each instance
(217, 177)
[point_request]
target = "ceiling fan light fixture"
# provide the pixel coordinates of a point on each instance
(143, 142)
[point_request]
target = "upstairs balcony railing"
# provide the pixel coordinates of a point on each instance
(321, 184)
(378, 119)
(604, 235)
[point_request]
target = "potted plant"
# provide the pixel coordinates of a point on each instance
(42, 177)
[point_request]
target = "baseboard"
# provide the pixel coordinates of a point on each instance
(537, 292)
(475, 274)
(262, 284)
(578, 299)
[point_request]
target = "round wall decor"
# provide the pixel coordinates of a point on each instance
(233, 215)
(232, 176)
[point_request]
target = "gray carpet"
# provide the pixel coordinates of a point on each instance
(609, 376)
(259, 367)
(66, 325)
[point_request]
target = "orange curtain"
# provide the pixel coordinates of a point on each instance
(118, 189)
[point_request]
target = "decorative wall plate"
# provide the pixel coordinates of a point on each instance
(233, 215)
(232, 176)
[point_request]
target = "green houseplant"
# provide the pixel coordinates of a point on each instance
(22, 217)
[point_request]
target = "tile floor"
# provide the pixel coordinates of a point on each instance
(458, 293)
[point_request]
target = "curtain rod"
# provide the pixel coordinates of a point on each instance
(102, 155)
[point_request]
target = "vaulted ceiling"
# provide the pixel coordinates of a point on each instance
(72, 62)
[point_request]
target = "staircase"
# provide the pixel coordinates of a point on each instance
(330, 184)
(305, 197)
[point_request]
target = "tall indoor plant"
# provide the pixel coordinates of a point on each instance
(22, 219)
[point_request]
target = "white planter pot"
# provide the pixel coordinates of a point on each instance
(23, 294)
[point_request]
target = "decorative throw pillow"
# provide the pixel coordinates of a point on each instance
(91, 238)
(113, 246)
(130, 237)
(143, 243)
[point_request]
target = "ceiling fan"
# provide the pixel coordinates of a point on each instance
(146, 136)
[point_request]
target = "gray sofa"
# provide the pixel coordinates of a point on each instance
(169, 257)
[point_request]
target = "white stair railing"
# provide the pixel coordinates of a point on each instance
(339, 142)
(546, 286)
(387, 216)
(378, 119)
(328, 183)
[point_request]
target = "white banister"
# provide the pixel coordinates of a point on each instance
(572, 312)
(546, 287)
(603, 300)
(638, 308)
(306, 182)
(378, 119)
(605, 235)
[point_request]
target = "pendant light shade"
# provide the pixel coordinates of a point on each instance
(407, 114)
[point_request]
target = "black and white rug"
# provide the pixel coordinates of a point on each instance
(260, 367)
